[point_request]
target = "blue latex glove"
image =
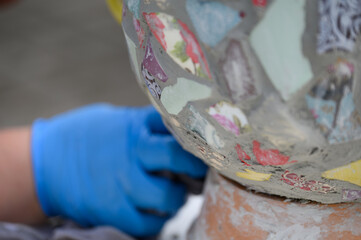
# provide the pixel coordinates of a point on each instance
(93, 165)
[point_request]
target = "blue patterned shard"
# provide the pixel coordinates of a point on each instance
(338, 128)
(212, 20)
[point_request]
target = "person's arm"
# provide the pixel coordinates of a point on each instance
(18, 200)
(96, 165)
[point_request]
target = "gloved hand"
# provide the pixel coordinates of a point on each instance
(93, 165)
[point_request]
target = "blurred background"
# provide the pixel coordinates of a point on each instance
(58, 55)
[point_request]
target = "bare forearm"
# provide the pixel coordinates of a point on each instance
(18, 201)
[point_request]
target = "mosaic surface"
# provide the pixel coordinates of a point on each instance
(266, 92)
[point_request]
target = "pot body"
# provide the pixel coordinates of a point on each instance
(230, 211)
(266, 92)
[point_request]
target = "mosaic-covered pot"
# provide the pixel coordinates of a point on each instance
(268, 92)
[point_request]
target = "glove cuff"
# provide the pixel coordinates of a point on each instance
(37, 136)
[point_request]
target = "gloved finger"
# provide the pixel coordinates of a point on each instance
(147, 192)
(162, 152)
(149, 225)
(154, 122)
(135, 222)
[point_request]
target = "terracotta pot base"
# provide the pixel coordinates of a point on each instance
(230, 211)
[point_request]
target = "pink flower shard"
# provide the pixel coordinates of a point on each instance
(156, 27)
(300, 182)
(242, 155)
(226, 123)
(269, 156)
(139, 30)
(193, 49)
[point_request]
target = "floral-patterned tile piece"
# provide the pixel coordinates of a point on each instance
(229, 117)
(179, 42)
(308, 185)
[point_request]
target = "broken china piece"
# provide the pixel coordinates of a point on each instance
(254, 176)
(308, 185)
(332, 106)
(349, 173)
(179, 42)
(351, 195)
(212, 20)
(133, 6)
(176, 97)
(242, 155)
(151, 83)
(269, 156)
(198, 124)
(237, 74)
(151, 70)
(229, 117)
(339, 25)
(151, 63)
(277, 42)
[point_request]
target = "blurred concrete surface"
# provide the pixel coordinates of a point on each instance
(57, 55)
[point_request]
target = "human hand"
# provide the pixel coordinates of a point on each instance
(94, 164)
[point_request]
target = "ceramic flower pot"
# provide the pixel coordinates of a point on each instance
(268, 93)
